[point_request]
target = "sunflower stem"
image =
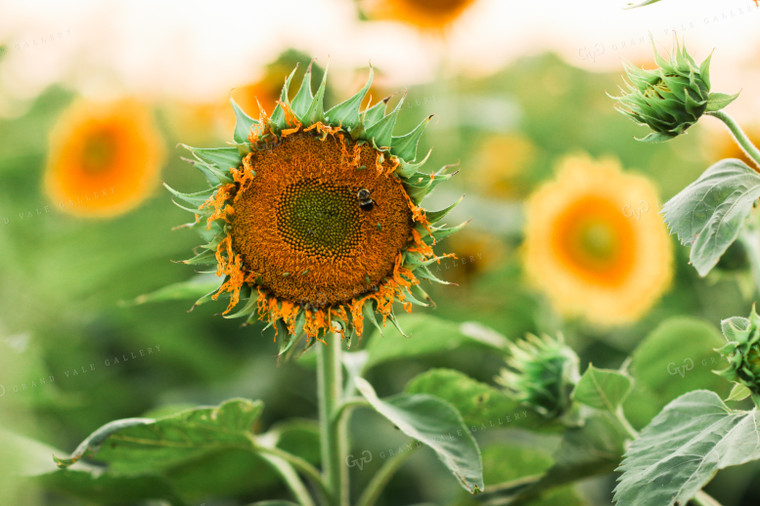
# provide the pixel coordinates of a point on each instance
(750, 239)
(331, 425)
(704, 499)
(741, 138)
(382, 477)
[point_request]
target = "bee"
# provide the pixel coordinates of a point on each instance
(364, 196)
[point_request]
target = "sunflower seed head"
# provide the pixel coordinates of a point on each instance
(670, 98)
(541, 372)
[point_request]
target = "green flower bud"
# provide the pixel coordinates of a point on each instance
(541, 372)
(670, 98)
(742, 351)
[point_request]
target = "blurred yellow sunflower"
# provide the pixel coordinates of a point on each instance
(595, 243)
(105, 158)
(500, 162)
(433, 15)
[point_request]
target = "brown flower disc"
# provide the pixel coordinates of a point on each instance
(300, 226)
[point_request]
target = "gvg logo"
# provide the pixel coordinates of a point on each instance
(591, 53)
(630, 211)
(364, 458)
(682, 368)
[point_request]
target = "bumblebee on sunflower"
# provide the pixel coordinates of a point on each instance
(313, 217)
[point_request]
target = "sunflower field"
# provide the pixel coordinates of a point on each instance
(366, 252)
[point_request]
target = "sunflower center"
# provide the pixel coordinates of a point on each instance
(319, 218)
(598, 240)
(98, 152)
(301, 229)
(595, 239)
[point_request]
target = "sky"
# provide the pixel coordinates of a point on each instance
(197, 49)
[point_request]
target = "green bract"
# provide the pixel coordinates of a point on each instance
(670, 98)
(742, 351)
(541, 372)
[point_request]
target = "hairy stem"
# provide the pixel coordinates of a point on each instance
(331, 425)
(750, 239)
(741, 138)
(704, 499)
(296, 462)
(289, 475)
(383, 476)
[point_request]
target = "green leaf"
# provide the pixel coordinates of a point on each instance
(508, 464)
(591, 449)
(427, 335)
(193, 288)
(675, 358)
(685, 445)
(738, 393)
(482, 406)
(709, 213)
(436, 424)
(144, 445)
(299, 437)
(717, 101)
(604, 389)
(95, 488)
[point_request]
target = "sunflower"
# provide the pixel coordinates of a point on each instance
(105, 158)
(433, 15)
(313, 218)
(500, 164)
(595, 244)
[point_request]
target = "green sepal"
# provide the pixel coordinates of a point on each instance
(347, 113)
(212, 235)
(222, 158)
(277, 120)
(655, 138)
(410, 297)
(405, 146)
(408, 169)
(436, 216)
(243, 125)
(421, 294)
(423, 272)
(205, 298)
(205, 257)
(440, 233)
(304, 97)
(420, 185)
(368, 311)
(285, 92)
(214, 176)
(189, 210)
(717, 101)
(316, 110)
(381, 133)
(246, 310)
(194, 198)
(372, 115)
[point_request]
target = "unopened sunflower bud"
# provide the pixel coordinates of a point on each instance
(742, 351)
(670, 98)
(541, 372)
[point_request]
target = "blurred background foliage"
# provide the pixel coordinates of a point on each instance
(75, 352)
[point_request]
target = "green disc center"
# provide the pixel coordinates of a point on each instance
(319, 218)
